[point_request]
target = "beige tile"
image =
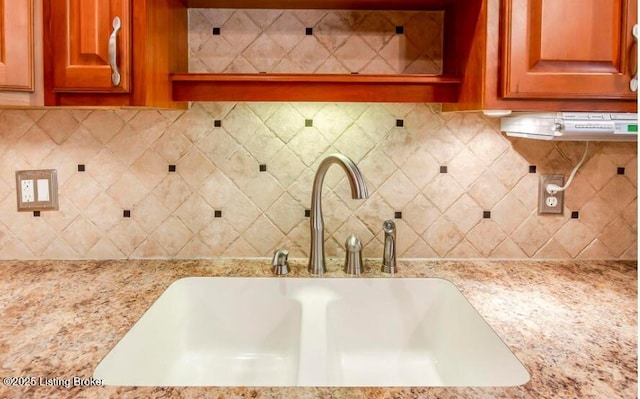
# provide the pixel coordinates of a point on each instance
(442, 236)
(596, 250)
(487, 190)
(15, 124)
(420, 213)
(105, 249)
(375, 168)
(398, 190)
(16, 249)
(195, 249)
(420, 249)
(148, 125)
(332, 31)
(599, 170)
(486, 236)
(618, 237)
(127, 146)
(172, 145)
(442, 144)
(172, 235)
(264, 53)
(150, 169)
(509, 213)
(355, 54)
(59, 249)
(574, 237)
(464, 250)
(443, 191)
(618, 193)
(103, 212)
(218, 235)
(150, 213)
(374, 211)
(60, 219)
(465, 213)
(149, 249)
(172, 192)
(308, 144)
(510, 168)
(466, 167)
(286, 213)
(400, 144)
(239, 30)
(376, 121)
(128, 235)
(82, 235)
(286, 122)
(552, 250)
(195, 213)
(263, 145)
(81, 189)
(283, 31)
(531, 235)
(128, 191)
(193, 125)
(34, 145)
(37, 235)
(240, 248)
(103, 125)
(194, 168)
(354, 143)
(508, 250)
(58, 124)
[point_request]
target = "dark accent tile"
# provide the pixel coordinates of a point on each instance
(621, 171)
(486, 214)
(307, 213)
(575, 215)
(217, 123)
(397, 215)
(355, 73)
(172, 168)
(533, 168)
(308, 31)
(215, 31)
(36, 214)
(126, 213)
(81, 168)
(308, 122)
(263, 168)
(444, 169)
(217, 214)
(399, 122)
(400, 30)
(263, 72)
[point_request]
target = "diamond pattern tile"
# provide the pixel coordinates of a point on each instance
(127, 153)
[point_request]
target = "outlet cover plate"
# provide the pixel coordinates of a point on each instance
(544, 196)
(41, 190)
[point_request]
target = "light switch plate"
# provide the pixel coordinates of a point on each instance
(37, 190)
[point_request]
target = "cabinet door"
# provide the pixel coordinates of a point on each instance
(80, 32)
(568, 49)
(16, 45)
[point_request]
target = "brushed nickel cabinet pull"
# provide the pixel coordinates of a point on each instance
(113, 50)
(633, 85)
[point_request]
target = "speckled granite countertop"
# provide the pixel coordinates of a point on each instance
(573, 324)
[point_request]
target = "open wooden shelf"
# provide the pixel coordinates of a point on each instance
(314, 87)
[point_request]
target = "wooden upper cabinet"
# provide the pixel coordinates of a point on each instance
(568, 49)
(16, 45)
(91, 41)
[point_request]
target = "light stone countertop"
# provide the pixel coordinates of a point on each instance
(572, 323)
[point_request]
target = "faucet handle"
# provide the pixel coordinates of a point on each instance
(353, 258)
(280, 262)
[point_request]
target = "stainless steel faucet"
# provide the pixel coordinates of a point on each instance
(358, 191)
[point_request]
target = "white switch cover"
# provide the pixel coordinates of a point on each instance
(43, 190)
(28, 193)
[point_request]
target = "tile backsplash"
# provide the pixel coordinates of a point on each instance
(315, 41)
(234, 179)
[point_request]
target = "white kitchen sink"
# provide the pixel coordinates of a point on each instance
(225, 331)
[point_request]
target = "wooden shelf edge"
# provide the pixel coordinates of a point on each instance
(315, 87)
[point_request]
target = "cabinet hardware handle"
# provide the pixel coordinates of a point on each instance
(113, 50)
(633, 85)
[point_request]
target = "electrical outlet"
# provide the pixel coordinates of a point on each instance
(27, 192)
(37, 190)
(547, 202)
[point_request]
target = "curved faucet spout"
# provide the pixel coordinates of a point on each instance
(358, 191)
